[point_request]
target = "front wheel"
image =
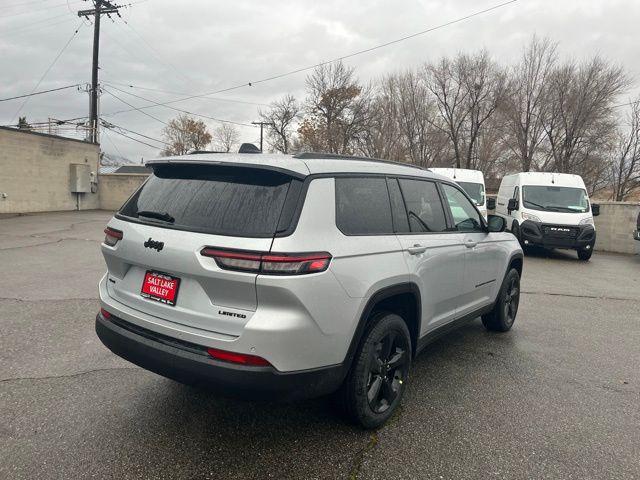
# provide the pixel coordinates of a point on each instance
(584, 254)
(374, 387)
(501, 318)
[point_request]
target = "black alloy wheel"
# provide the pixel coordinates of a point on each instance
(387, 371)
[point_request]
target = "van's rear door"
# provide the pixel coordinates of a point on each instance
(181, 209)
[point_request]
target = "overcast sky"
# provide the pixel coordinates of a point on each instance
(193, 47)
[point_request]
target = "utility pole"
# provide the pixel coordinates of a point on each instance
(101, 7)
(262, 124)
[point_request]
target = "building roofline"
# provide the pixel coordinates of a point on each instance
(48, 135)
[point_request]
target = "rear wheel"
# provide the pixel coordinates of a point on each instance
(584, 254)
(376, 382)
(501, 318)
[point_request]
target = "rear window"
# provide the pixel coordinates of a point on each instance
(362, 206)
(232, 201)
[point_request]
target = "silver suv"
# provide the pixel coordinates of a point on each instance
(297, 276)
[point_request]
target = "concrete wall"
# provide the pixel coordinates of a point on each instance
(35, 172)
(615, 226)
(116, 188)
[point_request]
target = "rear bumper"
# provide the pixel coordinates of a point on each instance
(579, 237)
(189, 363)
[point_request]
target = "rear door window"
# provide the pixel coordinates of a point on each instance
(362, 206)
(220, 200)
(424, 206)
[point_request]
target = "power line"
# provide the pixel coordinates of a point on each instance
(133, 107)
(109, 124)
(36, 23)
(131, 138)
(50, 7)
(40, 92)
(113, 144)
(350, 55)
(170, 107)
(47, 71)
(232, 100)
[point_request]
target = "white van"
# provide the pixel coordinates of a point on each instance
(471, 181)
(550, 210)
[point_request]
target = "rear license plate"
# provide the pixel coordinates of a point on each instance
(160, 287)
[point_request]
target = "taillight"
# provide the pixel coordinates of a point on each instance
(239, 358)
(269, 263)
(104, 313)
(112, 236)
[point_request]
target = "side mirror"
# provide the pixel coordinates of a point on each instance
(491, 203)
(595, 209)
(496, 223)
(513, 204)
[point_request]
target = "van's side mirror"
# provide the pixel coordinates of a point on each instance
(595, 209)
(491, 203)
(513, 204)
(496, 223)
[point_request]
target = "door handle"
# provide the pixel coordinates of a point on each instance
(416, 249)
(469, 243)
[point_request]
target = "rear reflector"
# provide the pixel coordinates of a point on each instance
(112, 236)
(239, 358)
(104, 313)
(269, 263)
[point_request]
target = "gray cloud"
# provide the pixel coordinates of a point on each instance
(200, 46)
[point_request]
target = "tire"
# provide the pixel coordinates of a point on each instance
(385, 343)
(584, 254)
(501, 318)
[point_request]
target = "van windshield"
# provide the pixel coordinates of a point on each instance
(555, 199)
(474, 190)
(222, 200)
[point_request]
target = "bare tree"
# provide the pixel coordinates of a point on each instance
(625, 165)
(281, 116)
(225, 137)
(579, 120)
(183, 134)
(445, 82)
(526, 103)
(337, 107)
(485, 85)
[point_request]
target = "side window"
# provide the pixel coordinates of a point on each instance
(398, 211)
(516, 191)
(424, 206)
(362, 206)
(465, 217)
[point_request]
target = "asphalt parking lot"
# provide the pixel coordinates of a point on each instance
(557, 397)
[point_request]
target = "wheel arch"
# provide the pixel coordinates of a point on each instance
(516, 261)
(402, 299)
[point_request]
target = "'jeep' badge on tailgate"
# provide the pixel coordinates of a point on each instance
(153, 244)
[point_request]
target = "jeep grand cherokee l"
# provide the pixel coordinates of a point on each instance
(297, 276)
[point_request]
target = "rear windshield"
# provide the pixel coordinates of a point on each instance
(232, 201)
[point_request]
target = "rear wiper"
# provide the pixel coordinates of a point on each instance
(164, 216)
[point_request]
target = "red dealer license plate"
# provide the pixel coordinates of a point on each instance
(160, 287)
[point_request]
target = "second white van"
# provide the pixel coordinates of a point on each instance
(471, 181)
(549, 210)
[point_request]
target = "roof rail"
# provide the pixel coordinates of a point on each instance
(336, 156)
